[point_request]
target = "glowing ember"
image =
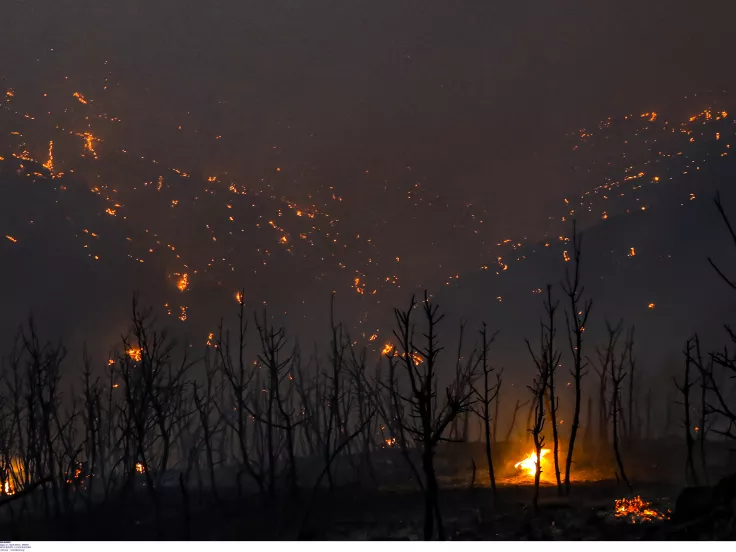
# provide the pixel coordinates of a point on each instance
(49, 165)
(89, 142)
(183, 282)
(388, 349)
(140, 468)
(135, 353)
(81, 98)
(636, 510)
(529, 464)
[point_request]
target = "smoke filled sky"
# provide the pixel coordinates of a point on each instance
(474, 96)
(436, 129)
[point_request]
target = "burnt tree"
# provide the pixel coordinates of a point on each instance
(576, 317)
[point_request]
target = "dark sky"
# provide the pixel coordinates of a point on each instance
(471, 99)
(472, 95)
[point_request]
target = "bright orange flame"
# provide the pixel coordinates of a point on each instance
(140, 468)
(135, 353)
(529, 464)
(388, 349)
(15, 473)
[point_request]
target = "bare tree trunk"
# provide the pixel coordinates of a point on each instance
(617, 376)
(428, 420)
(690, 473)
(485, 398)
(575, 319)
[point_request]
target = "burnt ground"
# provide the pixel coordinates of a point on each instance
(389, 509)
(350, 513)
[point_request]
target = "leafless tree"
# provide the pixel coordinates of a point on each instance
(205, 409)
(422, 414)
(538, 390)
(617, 375)
(547, 363)
(485, 397)
(684, 389)
(239, 378)
(576, 317)
(278, 414)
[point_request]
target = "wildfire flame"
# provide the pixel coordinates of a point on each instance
(15, 472)
(529, 464)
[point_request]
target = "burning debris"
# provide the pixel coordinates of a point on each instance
(135, 353)
(637, 510)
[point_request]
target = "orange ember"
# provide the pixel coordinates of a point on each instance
(637, 510)
(183, 282)
(135, 353)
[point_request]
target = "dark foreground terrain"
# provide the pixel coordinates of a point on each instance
(357, 513)
(390, 507)
(349, 514)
